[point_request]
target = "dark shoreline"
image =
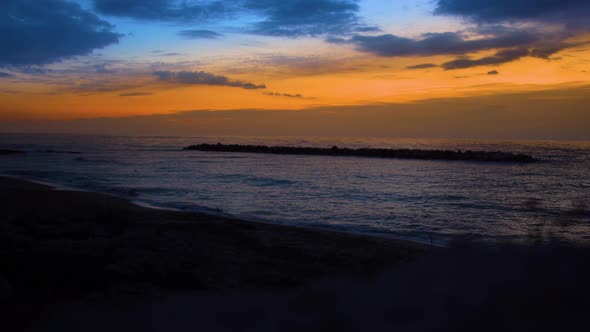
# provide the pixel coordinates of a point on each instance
(483, 156)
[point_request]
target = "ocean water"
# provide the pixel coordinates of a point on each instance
(429, 201)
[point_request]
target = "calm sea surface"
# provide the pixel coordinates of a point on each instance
(413, 199)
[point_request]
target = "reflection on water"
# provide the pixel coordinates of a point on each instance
(406, 198)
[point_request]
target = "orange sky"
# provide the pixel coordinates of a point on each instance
(298, 73)
(355, 80)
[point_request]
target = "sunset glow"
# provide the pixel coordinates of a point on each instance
(250, 55)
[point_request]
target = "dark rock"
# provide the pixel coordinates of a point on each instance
(4, 151)
(60, 152)
(495, 156)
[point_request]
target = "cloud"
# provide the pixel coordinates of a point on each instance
(136, 94)
(493, 72)
(199, 34)
(164, 10)
(501, 57)
(293, 18)
(35, 71)
(554, 21)
(572, 12)
(87, 88)
(278, 94)
(307, 17)
(422, 66)
(496, 59)
(4, 75)
(509, 43)
(203, 78)
(102, 68)
(444, 43)
(40, 32)
(512, 28)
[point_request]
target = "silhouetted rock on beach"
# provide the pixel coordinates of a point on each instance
(3, 151)
(496, 156)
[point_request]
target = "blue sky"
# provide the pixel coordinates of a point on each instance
(402, 17)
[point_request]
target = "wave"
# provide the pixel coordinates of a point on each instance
(255, 181)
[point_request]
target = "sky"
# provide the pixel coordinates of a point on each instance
(504, 69)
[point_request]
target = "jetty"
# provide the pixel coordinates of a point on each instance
(484, 156)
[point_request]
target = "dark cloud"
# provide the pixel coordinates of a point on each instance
(571, 12)
(4, 75)
(438, 43)
(496, 59)
(203, 78)
(278, 94)
(199, 34)
(501, 57)
(36, 32)
(307, 17)
(136, 94)
(164, 10)
(493, 72)
(293, 18)
(422, 66)
(568, 18)
(496, 28)
(509, 43)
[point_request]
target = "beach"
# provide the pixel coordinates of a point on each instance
(294, 166)
(74, 260)
(60, 245)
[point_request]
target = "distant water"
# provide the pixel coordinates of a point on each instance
(413, 199)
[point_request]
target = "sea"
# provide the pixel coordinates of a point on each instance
(420, 200)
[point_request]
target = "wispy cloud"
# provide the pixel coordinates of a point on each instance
(136, 94)
(199, 34)
(422, 66)
(501, 57)
(288, 95)
(203, 78)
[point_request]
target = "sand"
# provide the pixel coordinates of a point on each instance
(79, 261)
(59, 245)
